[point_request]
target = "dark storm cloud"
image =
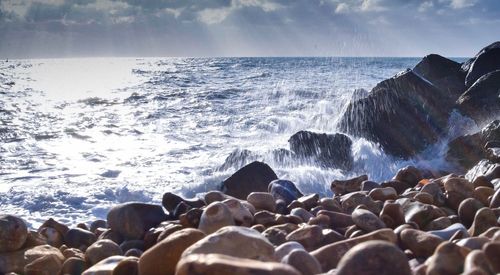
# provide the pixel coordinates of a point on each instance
(246, 27)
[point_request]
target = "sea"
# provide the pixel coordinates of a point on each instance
(79, 135)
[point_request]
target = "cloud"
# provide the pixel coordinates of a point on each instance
(460, 4)
(425, 6)
(342, 8)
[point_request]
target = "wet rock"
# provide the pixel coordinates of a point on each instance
(366, 220)
(262, 201)
(132, 220)
(329, 255)
(374, 257)
(482, 193)
(48, 264)
(13, 233)
(284, 249)
(302, 261)
(368, 185)
(383, 194)
(254, 177)
(438, 224)
(127, 266)
(134, 252)
(163, 257)
(473, 243)
(16, 261)
(170, 201)
(308, 236)
(276, 236)
(409, 174)
(73, 266)
(309, 201)
(487, 60)
(105, 267)
(341, 187)
(109, 234)
(489, 170)
(35, 239)
(284, 190)
(467, 210)
(302, 213)
(406, 99)
(97, 224)
(477, 260)
(332, 151)
(228, 265)
(392, 215)
(330, 204)
(79, 238)
(495, 199)
(62, 228)
(447, 259)
(131, 244)
(72, 253)
(337, 219)
(240, 213)
(480, 101)
(418, 213)
(214, 217)
(447, 233)
(399, 186)
(492, 250)
(231, 240)
(101, 250)
(350, 201)
(191, 218)
(421, 243)
(483, 220)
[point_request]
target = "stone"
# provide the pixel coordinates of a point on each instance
(133, 219)
(447, 259)
(45, 265)
(16, 261)
(409, 174)
(392, 215)
(473, 243)
(191, 218)
(368, 185)
(418, 213)
(489, 170)
(328, 150)
(448, 232)
(284, 249)
(399, 186)
(337, 219)
(163, 257)
(309, 201)
(262, 201)
(330, 204)
(97, 224)
(438, 224)
(52, 236)
(492, 250)
(302, 213)
(171, 200)
(34, 239)
(79, 238)
(482, 193)
(383, 194)
(213, 264)
(421, 243)
(309, 236)
(73, 266)
(241, 214)
(72, 253)
(134, 252)
(487, 60)
(127, 266)
(131, 244)
(109, 234)
(467, 210)
(284, 190)
(366, 220)
(424, 197)
(350, 201)
(477, 260)
(101, 250)
(483, 220)
(13, 233)
(214, 217)
(480, 102)
(495, 199)
(444, 73)
(276, 236)
(104, 267)
(342, 187)
(394, 104)
(374, 257)
(62, 228)
(330, 255)
(304, 262)
(254, 177)
(236, 241)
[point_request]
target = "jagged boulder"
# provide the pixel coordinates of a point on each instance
(481, 102)
(466, 151)
(403, 114)
(443, 73)
(329, 150)
(487, 60)
(254, 177)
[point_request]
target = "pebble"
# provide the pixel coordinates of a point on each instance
(214, 217)
(13, 233)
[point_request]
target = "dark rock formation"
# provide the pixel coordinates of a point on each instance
(254, 177)
(481, 102)
(487, 60)
(403, 114)
(332, 151)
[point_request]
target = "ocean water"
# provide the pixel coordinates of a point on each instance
(80, 135)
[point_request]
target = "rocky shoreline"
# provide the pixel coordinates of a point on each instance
(419, 222)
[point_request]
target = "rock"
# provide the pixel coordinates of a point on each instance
(492, 250)
(302, 213)
(483, 220)
(163, 257)
(213, 264)
(101, 250)
(395, 104)
(477, 260)
(191, 218)
(98, 224)
(132, 244)
(302, 261)
(481, 102)
(276, 236)
(132, 220)
(467, 210)
(214, 217)
(329, 255)
(13, 233)
(309, 201)
(443, 73)
(284, 249)
(52, 236)
(342, 187)
(487, 60)
(73, 252)
(171, 200)
(127, 266)
(482, 193)
(421, 243)
(240, 213)
(447, 259)
(451, 230)
(73, 266)
(332, 151)
(79, 238)
(284, 190)
(383, 194)
(236, 241)
(392, 215)
(105, 267)
(308, 236)
(350, 201)
(17, 260)
(438, 224)
(473, 243)
(374, 257)
(399, 186)
(34, 239)
(254, 177)
(495, 199)
(368, 185)
(366, 220)
(409, 174)
(489, 170)
(262, 201)
(63, 229)
(45, 265)
(109, 234)
(337, 220)
(466, 151)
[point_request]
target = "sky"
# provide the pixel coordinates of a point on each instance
(93, 28)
